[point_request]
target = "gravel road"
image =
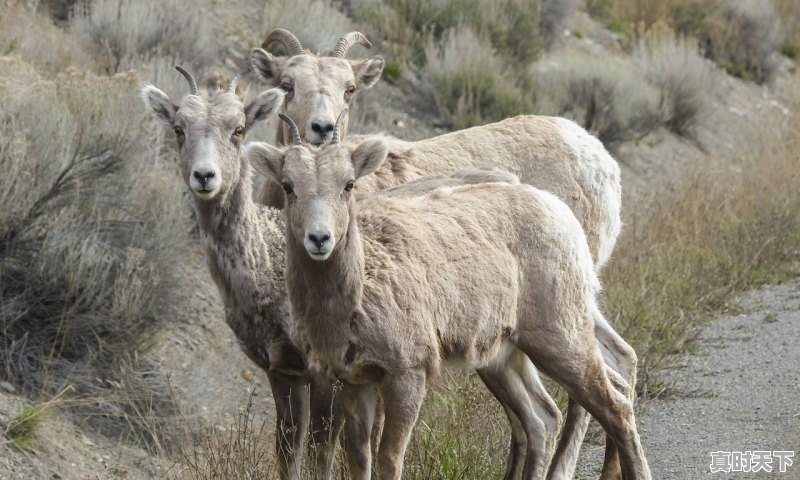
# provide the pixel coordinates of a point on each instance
(739, 392)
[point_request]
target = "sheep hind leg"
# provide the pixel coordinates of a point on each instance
(519, 442)
(533, 414)
(581, 371)
(622, 364)
(292, 413)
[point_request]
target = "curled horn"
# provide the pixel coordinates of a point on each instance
(296, 140)
(285, 38)
(335, 137)
(190, 79)
(235, 80)
(347, 41)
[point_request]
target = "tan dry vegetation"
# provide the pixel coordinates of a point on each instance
(89, 265)
(715, 232)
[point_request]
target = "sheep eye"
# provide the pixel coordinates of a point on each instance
(350, 90)
(286, 87)
(178, 131)
(349, 186)
(287, 188)
(239, 131)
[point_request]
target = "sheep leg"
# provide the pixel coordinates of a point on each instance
(577, 364)
(358, 405)
(402, 397)
(326, 421)
(620, 359)
(292, 412)
(519, 442)
(517, 386)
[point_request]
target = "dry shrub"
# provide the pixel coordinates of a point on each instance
(517, 29)
(555, 15)
(473, 85)
(33, 36)
(676, 67)
(86, 239)
(789, 13)
(318, 24)
(126, 33)
(743, 37)
(721, 230)
(605, 96)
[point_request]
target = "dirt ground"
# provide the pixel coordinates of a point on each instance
(739, 392)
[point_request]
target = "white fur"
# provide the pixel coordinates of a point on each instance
(205, 162)
(599, 169)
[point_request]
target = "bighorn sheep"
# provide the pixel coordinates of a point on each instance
(243, 243)
(382, 296)
(549, 153)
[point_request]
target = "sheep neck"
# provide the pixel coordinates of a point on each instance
(243, 246)
(326, 295)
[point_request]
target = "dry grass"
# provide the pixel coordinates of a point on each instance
(742, 36)
(33, 36)
(128, 33)
(720, 231)
(472, 83)
(614, 102)
(84, 250)
(676, 67)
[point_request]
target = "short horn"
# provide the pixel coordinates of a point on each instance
(285, 38)
(190, 79)
(335, 137)
(296, 140)
(235, 80)
(347, 41)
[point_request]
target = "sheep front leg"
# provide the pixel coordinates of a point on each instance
(291, 411)
(358, 405)
(326, 420)
(402, 397)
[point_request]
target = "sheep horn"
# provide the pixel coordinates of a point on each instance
(235, 80)
(296, 140)
(347, 41)
(190, 79)
(285, 38)
(338, 127)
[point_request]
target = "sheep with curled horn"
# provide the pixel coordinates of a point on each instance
(318, 87)
(243, 243)
(553, 154)
(384, 292)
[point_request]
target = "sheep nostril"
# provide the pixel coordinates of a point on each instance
(319, 240)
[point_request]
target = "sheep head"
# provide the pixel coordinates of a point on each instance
(318, 184)
(210, 128)
(318, 87)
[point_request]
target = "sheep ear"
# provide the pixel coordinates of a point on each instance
(266, 159)
(370, 155)
(264, 105)
(267, 67)
(367, 72)
(159, 104)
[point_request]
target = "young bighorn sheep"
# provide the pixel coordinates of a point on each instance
(382, 296)
(244, 250)
(549, 153)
